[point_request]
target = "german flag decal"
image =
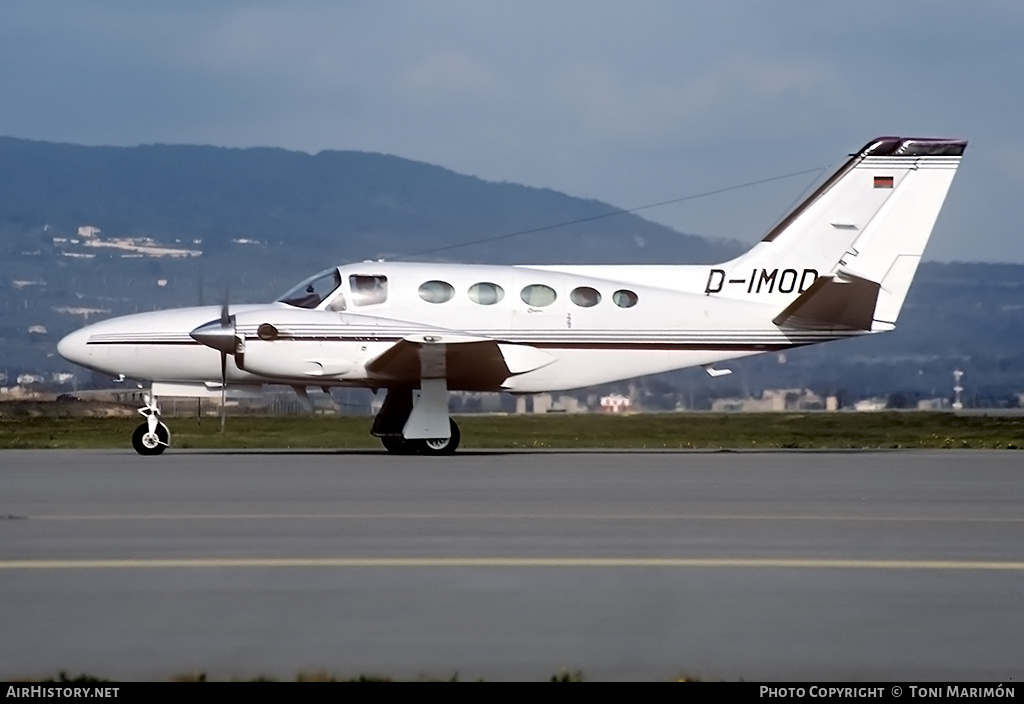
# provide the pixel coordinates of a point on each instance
(883, 181)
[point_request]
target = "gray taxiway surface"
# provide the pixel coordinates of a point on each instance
(760, 566)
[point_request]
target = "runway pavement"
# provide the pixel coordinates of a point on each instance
(898, 565)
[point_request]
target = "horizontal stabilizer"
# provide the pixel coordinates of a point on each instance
(832, 303)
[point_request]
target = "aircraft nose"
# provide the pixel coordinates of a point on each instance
(73, 347)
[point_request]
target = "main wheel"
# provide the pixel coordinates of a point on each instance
(147, 443)
(398, 445)
(441, 446)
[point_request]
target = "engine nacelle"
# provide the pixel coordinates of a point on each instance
(310, 360)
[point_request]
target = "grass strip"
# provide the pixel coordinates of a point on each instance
(744, 431)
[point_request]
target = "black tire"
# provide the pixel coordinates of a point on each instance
(398, 445)
(145, 444)
(441, 446)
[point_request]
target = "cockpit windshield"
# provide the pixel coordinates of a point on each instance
(312, 292)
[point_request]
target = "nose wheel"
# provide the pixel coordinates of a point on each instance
(152, 437)
(151, 442)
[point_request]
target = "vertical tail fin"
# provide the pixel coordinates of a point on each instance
(869, 222)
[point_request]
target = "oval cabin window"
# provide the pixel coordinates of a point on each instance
(486, 293)
(624, 298)
(538, 295)
(585, 297)
(436, 291)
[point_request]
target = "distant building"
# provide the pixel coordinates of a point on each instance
(546, 403)
(143, 246)
(88, 232)
(80, 310)
(871, 404)
(771, 401)
(615, 403)
(479, 401)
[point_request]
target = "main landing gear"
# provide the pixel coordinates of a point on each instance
(413, 422)
(153, 436)
(430, 446)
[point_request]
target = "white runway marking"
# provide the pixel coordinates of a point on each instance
(513, 562)
(513, 516)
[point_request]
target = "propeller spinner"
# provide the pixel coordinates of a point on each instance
(218, 334)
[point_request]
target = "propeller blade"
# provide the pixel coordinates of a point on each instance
(227, 326)
(223, 389)
(225, 314)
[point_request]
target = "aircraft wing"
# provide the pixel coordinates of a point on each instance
(465, 361)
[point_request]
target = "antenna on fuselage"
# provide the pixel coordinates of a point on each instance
(613, 213)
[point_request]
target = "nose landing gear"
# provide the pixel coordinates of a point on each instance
(151, 443)
(153, 436)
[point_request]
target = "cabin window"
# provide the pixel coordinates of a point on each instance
(436, 291)
(368, 290)
(486, 293)
(585, 297)
(624, 298)
(538, 295)
(312, 292)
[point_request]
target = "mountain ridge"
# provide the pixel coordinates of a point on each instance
(268, 193)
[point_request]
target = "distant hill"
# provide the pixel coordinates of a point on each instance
(347, 205)
(268, 217)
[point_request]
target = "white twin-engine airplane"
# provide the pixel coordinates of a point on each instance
(838, 266)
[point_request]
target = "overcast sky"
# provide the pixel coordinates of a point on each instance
(628, 102)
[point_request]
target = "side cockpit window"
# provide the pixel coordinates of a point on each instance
(368, 289)
(312, 292)
(338, 304)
